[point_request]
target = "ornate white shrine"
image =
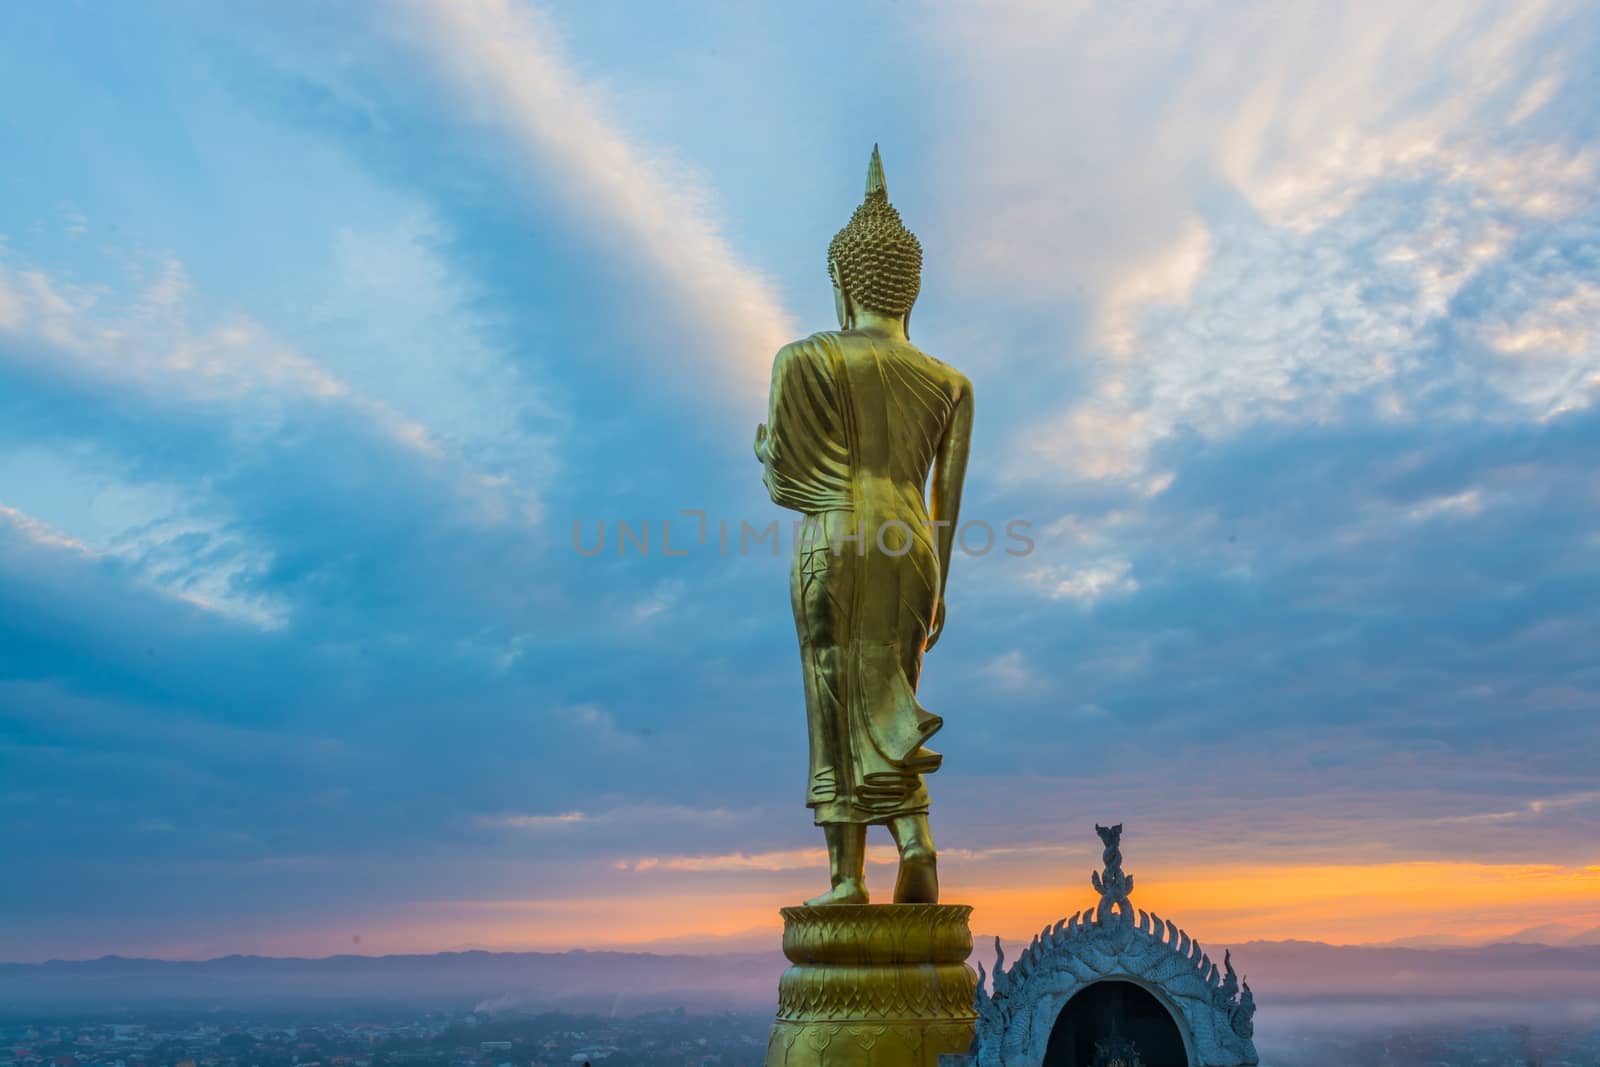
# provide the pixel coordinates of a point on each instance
(1112, 942)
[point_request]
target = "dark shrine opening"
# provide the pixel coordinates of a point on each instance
(1108, 1023)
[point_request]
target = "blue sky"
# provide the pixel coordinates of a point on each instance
(321, 326)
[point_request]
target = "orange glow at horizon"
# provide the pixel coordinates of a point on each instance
(1339, 904)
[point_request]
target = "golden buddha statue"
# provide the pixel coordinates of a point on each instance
(858, 421)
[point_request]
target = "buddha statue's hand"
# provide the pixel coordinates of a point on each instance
(937, 628)
(761, 442)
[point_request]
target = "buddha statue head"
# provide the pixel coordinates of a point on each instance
(875, 263)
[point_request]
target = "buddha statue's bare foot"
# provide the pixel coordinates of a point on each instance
(848, 891)
(918, 881)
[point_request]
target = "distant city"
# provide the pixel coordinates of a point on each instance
(656, 1039)
(432, 1039)
(1321, 1006)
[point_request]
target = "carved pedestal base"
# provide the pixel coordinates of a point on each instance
(874, 985)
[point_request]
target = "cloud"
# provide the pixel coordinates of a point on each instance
(1089, 582)
(784, 860)
(1271, 235)
(1530, 810)
(651, 814)
(662, 600)
(40, 533)
(503, 64)
(536, 822)
(140, 341)
(1467, 502)
(1168, 280)
(1010, 670)
(205, 584)
(810, 859)
(262, 429)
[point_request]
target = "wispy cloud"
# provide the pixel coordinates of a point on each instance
(536, 822)
(40, 533)
(208, 586)
(1088, 582)
(1010, 670)
(1280, 233)
(1466, 502)
(782, 860)
(632, 815)
(505, 64)
(1530, 810)
(241, 398)
(816, 859)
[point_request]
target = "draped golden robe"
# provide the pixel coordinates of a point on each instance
(854, 426)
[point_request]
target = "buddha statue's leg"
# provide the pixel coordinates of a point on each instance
(918, 880)
(847, 864)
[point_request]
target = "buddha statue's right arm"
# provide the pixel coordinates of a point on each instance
(765, 432)
(803, 447)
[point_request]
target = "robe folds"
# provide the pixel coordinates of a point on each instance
(855, 423)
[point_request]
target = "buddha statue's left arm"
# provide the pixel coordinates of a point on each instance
(944, 504)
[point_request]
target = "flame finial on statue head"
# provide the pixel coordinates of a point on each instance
(875, 259)
(875, 182)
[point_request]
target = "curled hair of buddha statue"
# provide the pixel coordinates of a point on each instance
(879, 261)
